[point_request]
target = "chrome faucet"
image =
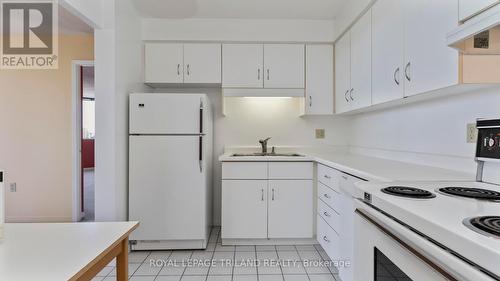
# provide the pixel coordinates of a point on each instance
(263, 143)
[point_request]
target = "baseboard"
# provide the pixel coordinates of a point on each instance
(143, 245)
(11, 219)
(280, 241)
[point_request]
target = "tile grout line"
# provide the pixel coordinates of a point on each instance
(213, 252)
(162, 266)
(302, 263)
(279, 263)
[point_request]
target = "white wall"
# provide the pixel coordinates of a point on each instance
(230, 30)
(349, 14)
(248, 119)
(431, 132)
(118, 71)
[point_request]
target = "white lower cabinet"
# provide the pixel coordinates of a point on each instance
(270, 208)
(290, 209)
(335, 227)
(244, 209)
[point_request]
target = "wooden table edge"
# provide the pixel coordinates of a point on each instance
(119, 250)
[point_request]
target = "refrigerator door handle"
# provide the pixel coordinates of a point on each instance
(200, 153)
(201, 116)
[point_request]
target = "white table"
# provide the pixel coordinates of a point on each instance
(63, 251)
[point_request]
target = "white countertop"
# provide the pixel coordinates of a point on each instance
(369, 168)
(55, 251)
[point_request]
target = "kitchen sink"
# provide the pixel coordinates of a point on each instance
(266, 154)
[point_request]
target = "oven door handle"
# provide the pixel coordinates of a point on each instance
(380, 225)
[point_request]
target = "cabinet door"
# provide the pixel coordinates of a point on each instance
(290, 209)
(244, 209)
(319, 79)
(284, 66)
(361, 63)
(429, 63)
(163, 63)
(202, 63)
(469, 8)
(387, 51)
(242, 65)
(342, 73)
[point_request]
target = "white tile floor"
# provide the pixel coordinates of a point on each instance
(230, 263)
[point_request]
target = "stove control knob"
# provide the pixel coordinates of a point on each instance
(491, 143)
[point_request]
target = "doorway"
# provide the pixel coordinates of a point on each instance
(84, 141)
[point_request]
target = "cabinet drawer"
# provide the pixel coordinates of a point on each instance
(328, 176)
(346, 184)
(329, 215)
(290, 170)
(331, 197)
(328, 239)
(244, 170)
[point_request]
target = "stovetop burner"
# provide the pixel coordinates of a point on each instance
(475, 193)
(409, 192)
(486, 225)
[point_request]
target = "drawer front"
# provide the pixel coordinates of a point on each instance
(328, 176)
(328, 239)
(290, 170)
(244, 170)
(329, 215)
(331, 197)
(347, 182)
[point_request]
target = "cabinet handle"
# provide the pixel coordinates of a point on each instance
(268, 74)
(188, 72)
(326, 239)
(262, 195)
(396, 76)
(310, 101)
(178, 69)
(407, 73)
(327, 176)
(345, 96)
(258, 74)
(350, 94)
(327, 214)
(327, 196)
(273, 195)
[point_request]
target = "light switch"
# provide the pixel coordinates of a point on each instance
(13, 187)
(320, 133)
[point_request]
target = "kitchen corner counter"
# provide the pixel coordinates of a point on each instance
(369, 168)
(379, 169)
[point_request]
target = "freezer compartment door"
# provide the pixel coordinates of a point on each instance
(167, 188)
(167, 113)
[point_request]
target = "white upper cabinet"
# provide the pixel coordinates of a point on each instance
(202, 63)
(387, 51)
(168, 63)
(429, 63)
(470, 8)
(163, 63)
(271, 66)
(342, 73)
(319, 79)
(284, 66)
(242, 65)
(360, 94)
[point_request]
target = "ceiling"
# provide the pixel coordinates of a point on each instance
(71, 24)
(241, 9)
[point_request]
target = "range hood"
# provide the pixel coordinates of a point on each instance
(479, 35)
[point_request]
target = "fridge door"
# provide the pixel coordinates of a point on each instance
(167, 188)
(166, 113)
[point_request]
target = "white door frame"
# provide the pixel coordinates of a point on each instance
(76, 104)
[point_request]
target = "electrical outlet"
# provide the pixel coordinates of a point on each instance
(13, 187)
(320, 133)
(471, 133)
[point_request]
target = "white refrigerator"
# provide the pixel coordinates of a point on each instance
(170, 170)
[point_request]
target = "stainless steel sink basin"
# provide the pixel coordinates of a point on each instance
(266, 154)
